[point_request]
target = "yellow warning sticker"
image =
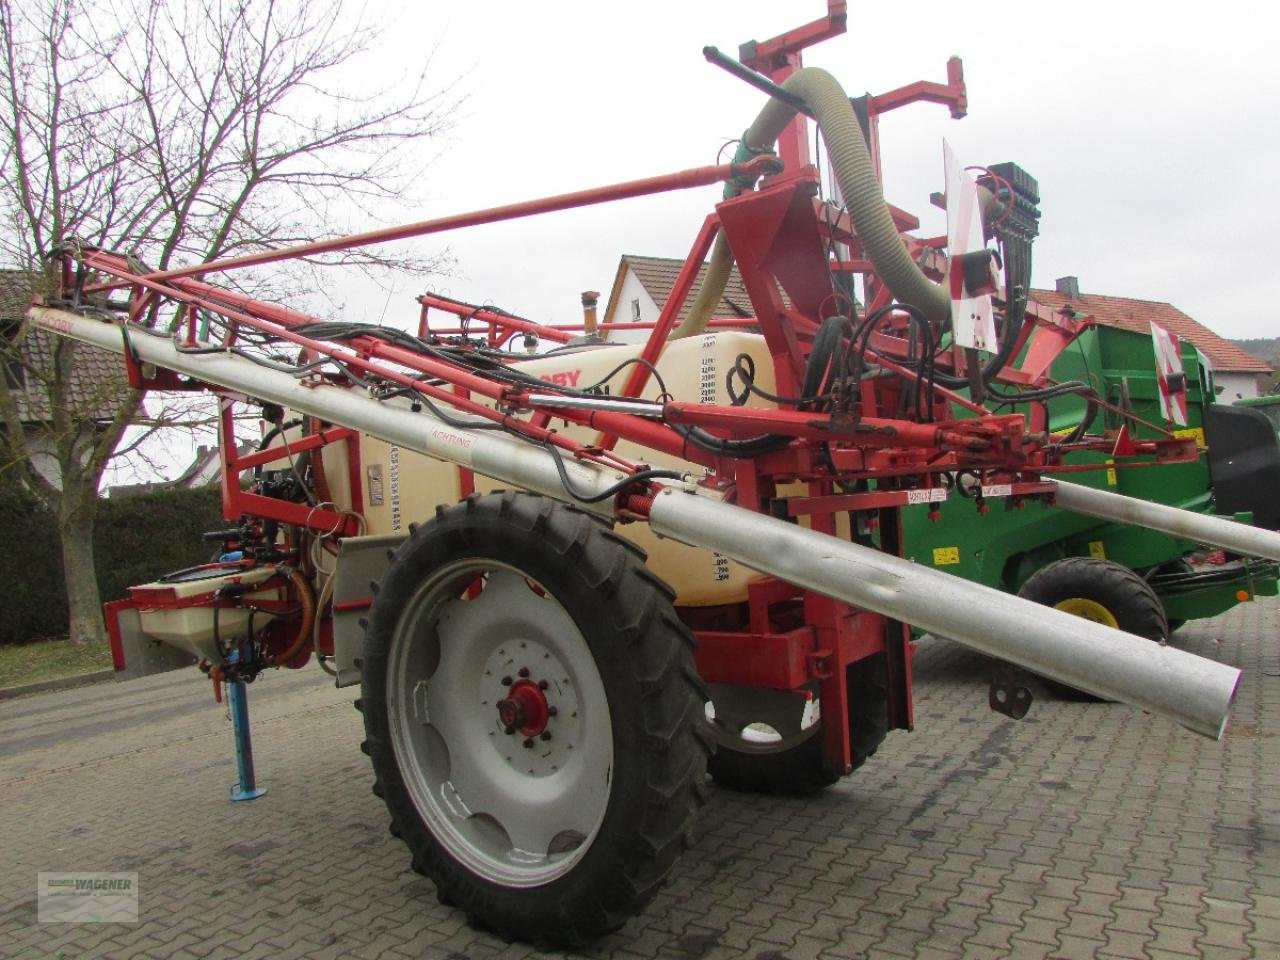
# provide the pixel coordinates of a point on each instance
(1097, 550)
(1111, 473)
(1196, 433)
(943, 556)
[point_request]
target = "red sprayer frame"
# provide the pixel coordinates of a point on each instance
(892, 440)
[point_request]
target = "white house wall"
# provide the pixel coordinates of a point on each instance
(632, 292)
(1235, 386)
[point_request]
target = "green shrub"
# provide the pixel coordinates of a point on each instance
(30, 568)
(137, 538)
(140, 537)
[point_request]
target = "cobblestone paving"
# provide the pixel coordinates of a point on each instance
(1085, 830)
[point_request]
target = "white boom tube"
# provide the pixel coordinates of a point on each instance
(1201, 527)
(488, 452)
(1190, 690)
(1089, 656)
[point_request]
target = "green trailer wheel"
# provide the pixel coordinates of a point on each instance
(1101, 591)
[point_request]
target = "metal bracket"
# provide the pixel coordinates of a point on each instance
(1008, 694)
(820, 664)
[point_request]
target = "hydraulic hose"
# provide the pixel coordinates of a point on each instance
(322, 604)
(854, 172)
(308, 601)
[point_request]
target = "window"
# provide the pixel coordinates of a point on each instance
(635, 310)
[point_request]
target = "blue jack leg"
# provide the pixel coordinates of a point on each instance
(238, 700)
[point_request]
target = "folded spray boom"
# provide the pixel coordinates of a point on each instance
(1190, 690)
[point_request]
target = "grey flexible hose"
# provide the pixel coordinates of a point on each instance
(859, 186)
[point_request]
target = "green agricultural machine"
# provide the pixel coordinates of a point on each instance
(1136, 578)
(1268, 406)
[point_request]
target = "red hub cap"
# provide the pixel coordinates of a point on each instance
(524, 709)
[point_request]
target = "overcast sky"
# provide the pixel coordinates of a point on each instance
(1152, 128)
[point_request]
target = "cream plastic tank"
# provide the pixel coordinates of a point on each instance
(178, 609)
(400, 486)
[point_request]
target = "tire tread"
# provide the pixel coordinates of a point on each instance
(655, 648)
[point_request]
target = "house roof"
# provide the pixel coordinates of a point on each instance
(1136, 315)
(96, 383)
(15, 293)
(205, 470)
(658, 275)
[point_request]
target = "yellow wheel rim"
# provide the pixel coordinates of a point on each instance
(1089, 609)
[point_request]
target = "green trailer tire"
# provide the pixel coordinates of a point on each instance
(1102, 591)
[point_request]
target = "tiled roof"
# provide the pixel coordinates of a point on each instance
(1130, 314)
(15, 293)
(658, 275)
(96, 382)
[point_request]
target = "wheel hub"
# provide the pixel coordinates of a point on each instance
(537, 726)
(525, 709)
(1089, 609)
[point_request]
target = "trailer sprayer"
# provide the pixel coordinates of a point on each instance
(569, 583)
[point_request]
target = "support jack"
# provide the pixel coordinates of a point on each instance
(238, 702)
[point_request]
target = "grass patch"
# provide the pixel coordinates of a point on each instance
(50, 660)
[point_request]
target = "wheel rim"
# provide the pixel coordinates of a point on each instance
(1089, 609)
(517, 808)
(761, 721)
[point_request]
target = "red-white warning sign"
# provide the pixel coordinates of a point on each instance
(971, 271)
(1169, 375)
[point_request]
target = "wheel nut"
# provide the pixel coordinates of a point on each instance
(528, 743)
(523, 671)
(552, 711)
(542, 684)
(506, 681)
(546, 734)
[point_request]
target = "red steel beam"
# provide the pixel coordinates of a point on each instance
(681, 180)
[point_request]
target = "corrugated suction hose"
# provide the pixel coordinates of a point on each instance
(860, 187)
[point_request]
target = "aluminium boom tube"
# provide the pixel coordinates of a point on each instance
(1201, 527)
(1109, 663)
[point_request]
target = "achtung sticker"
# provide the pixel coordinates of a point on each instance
(945, 556)
(998, 490)
(459, 443)
(1097, 550)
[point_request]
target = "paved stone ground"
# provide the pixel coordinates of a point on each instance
(1085, 830)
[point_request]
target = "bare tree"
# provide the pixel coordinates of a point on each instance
(178, 131)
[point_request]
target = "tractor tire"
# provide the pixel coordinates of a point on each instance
(1102, 591)
(788, 758)
(533, 717)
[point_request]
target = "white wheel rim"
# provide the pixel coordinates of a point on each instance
(757, 720)
(515, 815)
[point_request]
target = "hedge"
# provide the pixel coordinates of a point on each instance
(30, 570)
(137, 538)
